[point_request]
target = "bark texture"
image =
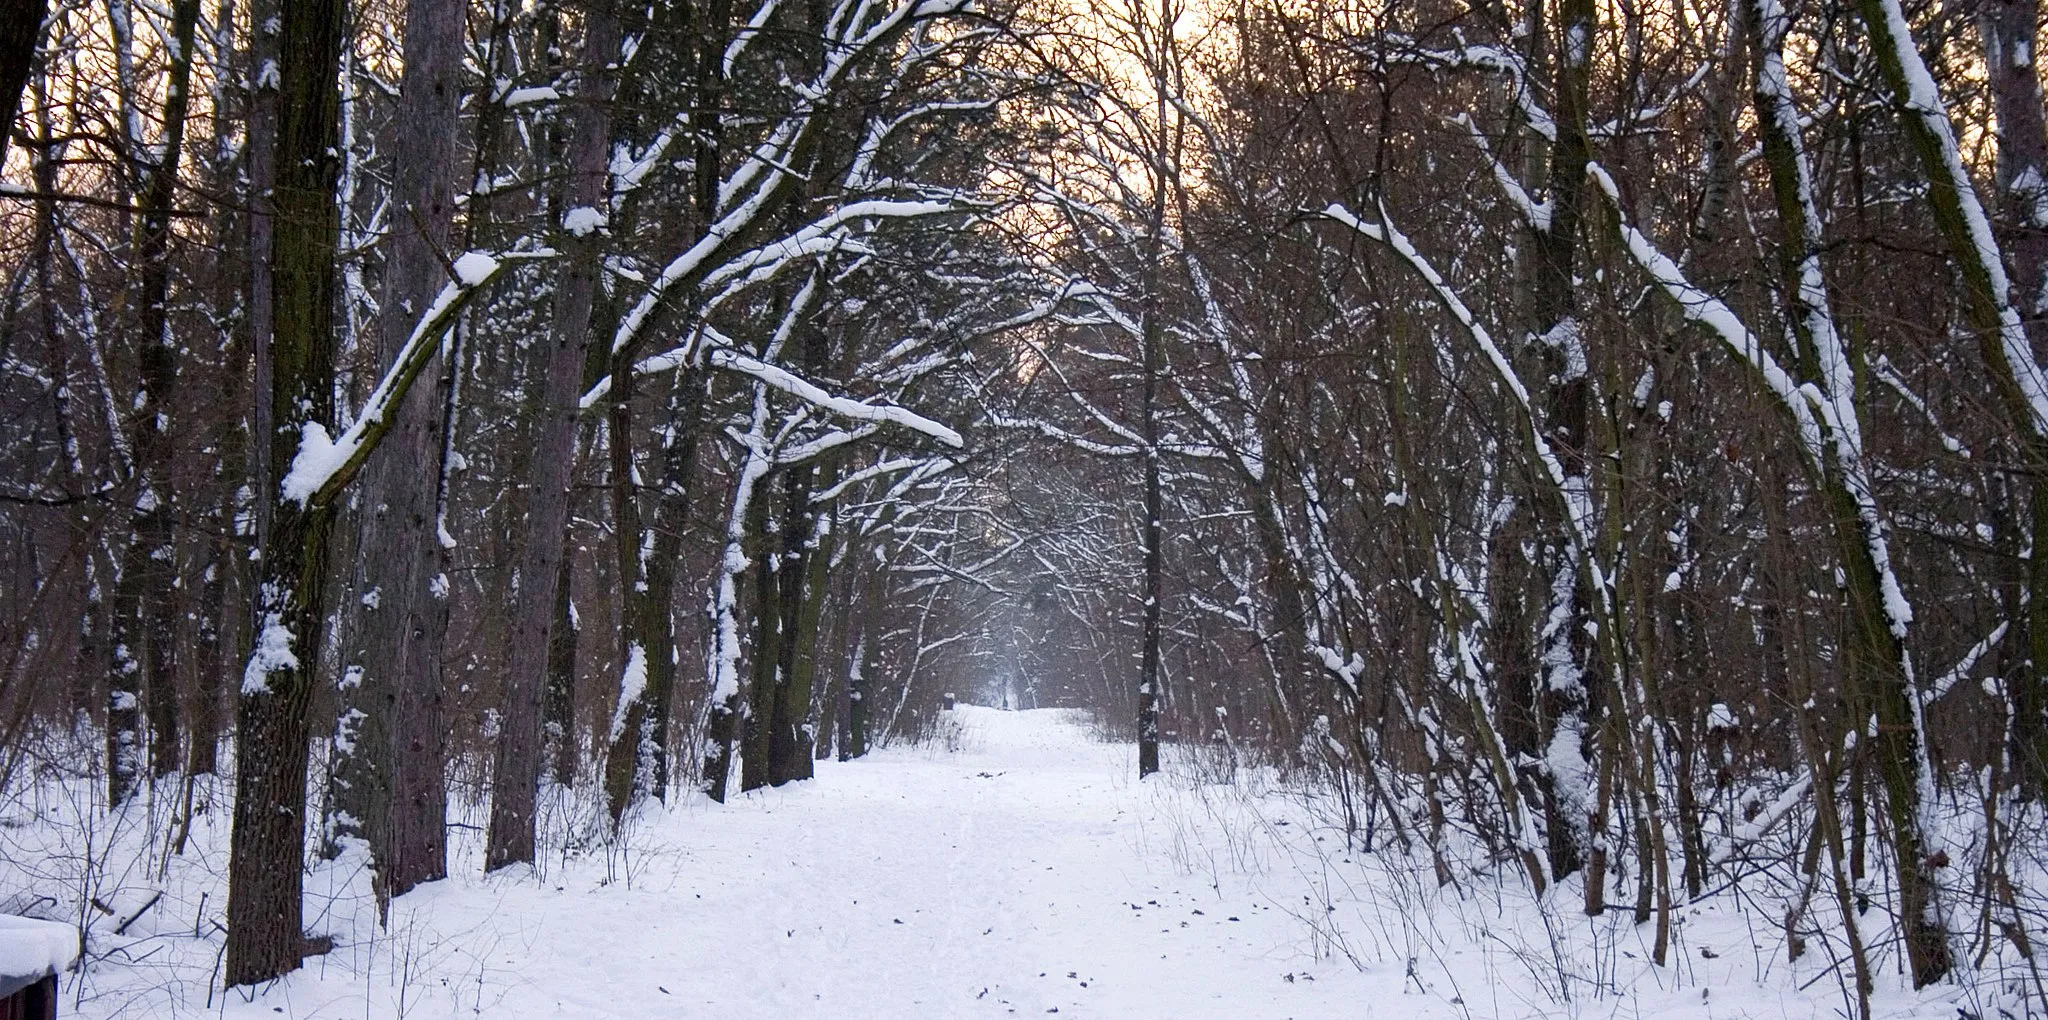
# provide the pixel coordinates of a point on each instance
(394, 778)
(265, 870)
(518, 760)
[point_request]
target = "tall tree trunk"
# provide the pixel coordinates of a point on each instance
(637, 762)
(262, 149)
(1565, 706)
(558, 711)
(1901, 747)
(517, 773)
(1152, 338)
(807, 544)
(265, 869)
(765, 684)
(2007, 31)
(392, 781)
(224, 557)
(1155, 556)
(865, 662)
(725, 724)
(145, 611)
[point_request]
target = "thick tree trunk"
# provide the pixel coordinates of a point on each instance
(262, 149)
(210, 657)
(725, 724)
(265, 870)
(764, 685)
(392, 782)
(517, 772)
(807, 544)
(865, 662)
(558, 711)
(1565, 709)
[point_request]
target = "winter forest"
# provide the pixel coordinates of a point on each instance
(1463, 508)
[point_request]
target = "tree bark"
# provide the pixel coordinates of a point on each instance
(807, 544)
(766, 666)
(2007, 31)
(145, 611)
(265, 870)
(517, 775)
(558, 712)
(1566, 710)
(637, 761)
(393, 779)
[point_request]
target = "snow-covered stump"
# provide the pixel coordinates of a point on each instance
(32, 954)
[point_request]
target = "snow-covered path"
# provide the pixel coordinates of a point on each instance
(1021, 874)
(1025, 871)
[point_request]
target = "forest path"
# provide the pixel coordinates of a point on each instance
(1026, 872)
(1022, 870)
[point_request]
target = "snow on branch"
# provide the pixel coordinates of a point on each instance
(1709, 311)
(325, 465)
(1958, 211)
(1578, 503)
(846, 407)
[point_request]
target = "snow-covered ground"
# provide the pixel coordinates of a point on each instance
(1022, 870)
